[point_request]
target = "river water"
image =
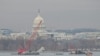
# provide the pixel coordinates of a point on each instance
(48, 54)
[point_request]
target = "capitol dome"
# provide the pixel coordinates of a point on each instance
(38, 19)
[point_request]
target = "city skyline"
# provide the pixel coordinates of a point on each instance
(63, 14)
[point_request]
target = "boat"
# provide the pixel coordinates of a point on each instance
(59, 53)
(89, 53)
(78, 52)
(30, 53)
(27, 53)
(73, 50)
(24, 52)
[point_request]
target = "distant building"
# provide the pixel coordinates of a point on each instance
(15, 36)
(44, 34)
(41, 32)
(88, 35)
(5, 31)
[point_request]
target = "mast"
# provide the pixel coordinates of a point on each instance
(38, 12)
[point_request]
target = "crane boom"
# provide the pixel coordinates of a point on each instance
(29, 42)
(32, 37)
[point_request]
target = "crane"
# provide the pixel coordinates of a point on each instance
(29, 42)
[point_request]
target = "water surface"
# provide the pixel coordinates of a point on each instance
(47, 54)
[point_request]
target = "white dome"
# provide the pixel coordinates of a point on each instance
(38, 19)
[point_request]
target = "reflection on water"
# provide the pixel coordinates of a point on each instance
(48, 54)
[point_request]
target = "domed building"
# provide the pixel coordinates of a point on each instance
(42, 32)
(42, 29)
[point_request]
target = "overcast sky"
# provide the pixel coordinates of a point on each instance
(18, 15)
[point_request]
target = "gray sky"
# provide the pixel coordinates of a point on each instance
(18, 15)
